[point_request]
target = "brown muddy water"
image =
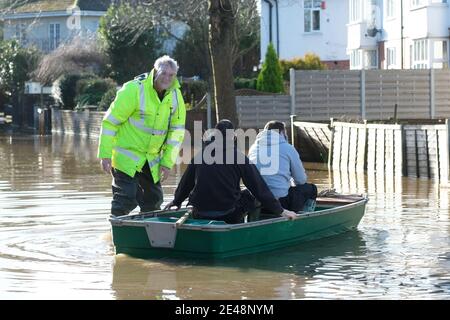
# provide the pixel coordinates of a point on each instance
(55, 240)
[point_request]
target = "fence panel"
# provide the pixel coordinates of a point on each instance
(256, 111)
(321, 95)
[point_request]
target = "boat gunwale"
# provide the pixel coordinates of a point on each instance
(130, 219)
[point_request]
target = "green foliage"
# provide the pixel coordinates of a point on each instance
(91, 91)
(270, 78)
(16, 64)
(107, 99)
(193, 91)
(68, 89)
(244, 83)
(131, 50)
(309, 62)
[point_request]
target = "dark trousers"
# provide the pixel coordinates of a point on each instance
(245, 204)
(130, 192)
(297, 196)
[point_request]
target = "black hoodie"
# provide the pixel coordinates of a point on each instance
(216, 186)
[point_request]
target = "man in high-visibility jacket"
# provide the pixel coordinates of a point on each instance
(141, 136)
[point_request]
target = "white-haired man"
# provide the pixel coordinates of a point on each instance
(141, 135)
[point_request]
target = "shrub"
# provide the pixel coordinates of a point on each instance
(16, 65)
(107, 99)
(91, 91)
(309, 62)
(67, 92)
(270, 78)
(244, 83)
(193, 91)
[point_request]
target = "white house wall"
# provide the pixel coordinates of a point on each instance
(38, 30)
(90, 24)
(430, 21)
(329, 43)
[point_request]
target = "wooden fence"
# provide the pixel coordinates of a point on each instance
(352, 94)
(256, 111)
(370, 94)
(394, 149)
(88, 123)
(253, 112)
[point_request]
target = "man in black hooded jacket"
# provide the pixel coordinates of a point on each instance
(213, 186)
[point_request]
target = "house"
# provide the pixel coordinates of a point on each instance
(47, 23)
(301, 26)
(398, 34)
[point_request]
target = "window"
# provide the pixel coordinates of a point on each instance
(363, 10)
(390, 8)
(312, 15)
(390, 58)
(370, 59)
(411, 55)
(440, 55)
(355, 10)
(55, 35)
(416, 3)
(420, 54)
(21, 33)
(355, 59)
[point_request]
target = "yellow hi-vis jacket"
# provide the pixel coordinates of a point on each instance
(139, 127)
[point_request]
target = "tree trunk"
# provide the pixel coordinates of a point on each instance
(221, 25)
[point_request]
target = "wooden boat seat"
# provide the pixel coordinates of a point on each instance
(337, 200)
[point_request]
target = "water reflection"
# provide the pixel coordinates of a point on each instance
(55, 241)
(282, 274)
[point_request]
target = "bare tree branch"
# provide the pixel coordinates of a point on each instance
(80, 55)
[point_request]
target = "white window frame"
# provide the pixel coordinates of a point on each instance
(418, 3)
(422, 3)
(355, 59)
(362, 10)
(21, 33)
(365, 53)
(420, 54)
(391, 58)
(443, 61)
(411, 55)
(390, 8)
(356, 11)
(310, 11)
(55, 38)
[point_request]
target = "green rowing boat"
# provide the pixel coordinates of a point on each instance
(172, 234)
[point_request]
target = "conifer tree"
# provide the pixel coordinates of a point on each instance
(270, 79)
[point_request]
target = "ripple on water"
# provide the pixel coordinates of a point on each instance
(56, 243)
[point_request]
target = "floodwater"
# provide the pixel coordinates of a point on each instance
(55, 240)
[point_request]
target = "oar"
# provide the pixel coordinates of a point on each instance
(182, 220)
